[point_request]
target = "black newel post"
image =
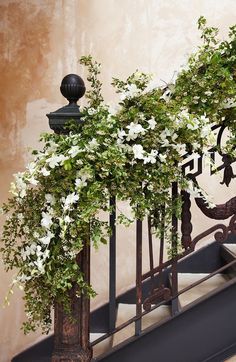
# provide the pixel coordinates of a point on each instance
(71, 341)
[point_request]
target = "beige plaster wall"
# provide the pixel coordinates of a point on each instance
(40, 42)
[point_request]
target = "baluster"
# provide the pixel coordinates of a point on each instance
(186, 225)
(174, 249)
(112, 261)
(138, 323)
(151, 261)
(162, 241)
(85, 301)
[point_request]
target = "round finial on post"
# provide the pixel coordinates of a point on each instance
(72, 87)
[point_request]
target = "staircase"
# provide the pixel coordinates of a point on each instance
(201, 328)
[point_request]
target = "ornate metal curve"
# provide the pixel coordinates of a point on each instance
(220, 236)
(219, 212)
(158, 295)
(232, 225)
(190, 164)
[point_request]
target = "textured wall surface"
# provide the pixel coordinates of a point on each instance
(40, 42)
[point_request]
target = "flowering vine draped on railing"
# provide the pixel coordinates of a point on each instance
(133, 152)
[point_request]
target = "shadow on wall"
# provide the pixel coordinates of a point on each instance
(24, 44)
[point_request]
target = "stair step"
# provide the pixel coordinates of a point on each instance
(231, 247)
(231, 359)
(186, 279)
(101, 347)
(127, 311)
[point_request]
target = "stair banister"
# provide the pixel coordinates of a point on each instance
(71, 335)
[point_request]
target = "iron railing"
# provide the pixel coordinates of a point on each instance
(72, 335)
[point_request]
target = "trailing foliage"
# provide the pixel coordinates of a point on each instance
(133, 152)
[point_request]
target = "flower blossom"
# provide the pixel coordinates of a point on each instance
(121, 134)
(134, 130)
(131, 91)
(152, 123)
(229, 103)
(31, 167)
(70, 200)
(138, 151)
(50, 199)
(47, 238)
(162, 157)
(166, 95)
(55, 160)
(45, 172)
(193, 124)
(46, 220)
(80, 183)
(74, 151)
(93, 144)
(33, 181)
(151, 157)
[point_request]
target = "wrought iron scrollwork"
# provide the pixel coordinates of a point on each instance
(221, 235)
(219, 212)
(194, 165)
(158, 295)
(228, 170)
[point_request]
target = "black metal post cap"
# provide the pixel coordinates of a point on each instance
(72, 87)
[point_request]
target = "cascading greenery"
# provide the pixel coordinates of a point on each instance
(133, 152)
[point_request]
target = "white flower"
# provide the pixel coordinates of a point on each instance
(47, 238)
(67, 219)
(74, 151)
(134, 130)
(31, 167)
(166, 95)
(121, 134)
(33, 181)
(93, 144)
(152, 123)
(55, 160)
(92, 111)
(162, 157)
(29, 250)
(46, 221)
(131, 91)
(208, 93)
(46, 253)
(23, 278)
(151, 157)
(138, 151)
(163, 136)
(229, 103)
(45, 172)
(50, 199)
(52, 146)
(205, 131)
(22, 193)
(70, 199)
(193, 190)
(39, 264)
(84, 174)
(80, 183)
(181, 149)
(193, 124)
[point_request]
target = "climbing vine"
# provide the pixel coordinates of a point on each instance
(133, 152)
